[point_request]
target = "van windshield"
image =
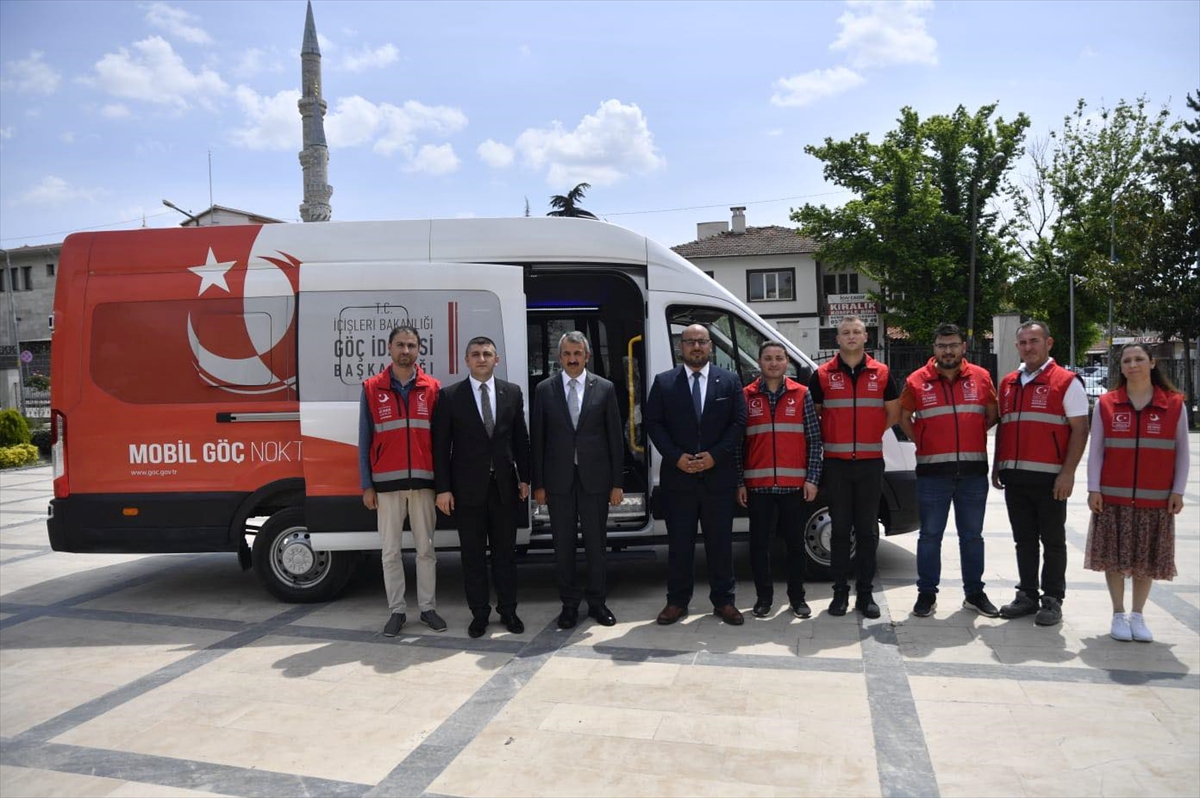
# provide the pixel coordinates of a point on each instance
(735, 341)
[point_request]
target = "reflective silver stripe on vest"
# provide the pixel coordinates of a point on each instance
(1146, 443)
(946, 410)
(1044, 418)
(842, 448)
(1127, 493)
(763, 429)
(925, 459)
(863, 402)
(1030, 465)
(413, 423)
(754, 473)
(388, 476)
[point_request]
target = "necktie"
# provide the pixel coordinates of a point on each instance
(696, 394)
(489, 422)
(573, 401)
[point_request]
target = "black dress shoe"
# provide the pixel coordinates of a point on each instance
(602, 615)
(841, 601)
(568, 617)
(512, 623)
(478, 627)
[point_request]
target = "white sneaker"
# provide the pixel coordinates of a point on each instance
(1137, 626)
(1120, 627)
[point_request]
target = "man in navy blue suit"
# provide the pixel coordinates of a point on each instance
(696, 416)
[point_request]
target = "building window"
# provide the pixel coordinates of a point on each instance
(3, 282)
(712, 274)
(771, 286)
(49, 269)
(841, 283)
(27, 273)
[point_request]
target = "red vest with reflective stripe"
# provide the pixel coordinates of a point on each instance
(1033, 425)
(402, 444)
(1139, 448)
(950, 421)
(853, 415)
(775, 454)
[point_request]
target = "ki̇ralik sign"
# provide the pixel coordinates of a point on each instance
(853, 305)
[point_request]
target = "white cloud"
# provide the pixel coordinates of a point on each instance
(67, 137)
(155, 73)
(1088, 53)
(525, 51)
(56, 191)
(177, 23)
(7, 132)
(775, 132)
(115, 111)
(878, 33)
(802, 89)
(602, 149)
(495, 154)
(30, 75)
(255, 61)
(402, 124)
(366, 58)
(273, 123)
(434, 160)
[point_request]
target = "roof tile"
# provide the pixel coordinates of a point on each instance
(770, 240)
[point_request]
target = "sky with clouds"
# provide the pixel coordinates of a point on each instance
(673, 111)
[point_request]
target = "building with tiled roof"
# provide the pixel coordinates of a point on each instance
(775, 271)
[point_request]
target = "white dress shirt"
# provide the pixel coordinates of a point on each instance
(703, 382)
(1075, 401)
(566, 380)
(491, 384)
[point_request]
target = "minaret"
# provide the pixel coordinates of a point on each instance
(314, 158)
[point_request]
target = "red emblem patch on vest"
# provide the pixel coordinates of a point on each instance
(1122, 422)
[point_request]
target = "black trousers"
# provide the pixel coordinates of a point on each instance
(713, 510)
(591, 509)
(781, 513)
(1037, 518)
(479, 527)
(854, 488)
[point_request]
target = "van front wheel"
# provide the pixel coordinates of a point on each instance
(818, 542)
(290, 569)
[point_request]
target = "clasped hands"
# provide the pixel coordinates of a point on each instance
(695, 463)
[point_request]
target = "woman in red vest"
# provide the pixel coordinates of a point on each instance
(1137, 470)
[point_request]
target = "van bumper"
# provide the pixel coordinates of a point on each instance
(99, 523)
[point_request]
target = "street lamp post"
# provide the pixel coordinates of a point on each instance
(175, 207)
(995, 159)
(1071, 278)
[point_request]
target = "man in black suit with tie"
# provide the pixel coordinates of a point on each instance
(481, 467)
(578, 460)
(696, 416)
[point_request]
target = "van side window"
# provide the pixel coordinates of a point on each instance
(735, 340)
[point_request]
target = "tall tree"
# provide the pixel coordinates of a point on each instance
(1156, 281)
(1065, 208)
(909, 224)
(568, 204)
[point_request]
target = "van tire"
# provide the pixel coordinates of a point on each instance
(281, 551)
(817, 536)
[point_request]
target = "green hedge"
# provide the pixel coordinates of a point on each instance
(41, 439)
(13, 428)
(19, 455)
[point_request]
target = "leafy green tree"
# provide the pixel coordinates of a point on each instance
(568, 204)
(908, 226)
(1156, 281)
(1065, 209)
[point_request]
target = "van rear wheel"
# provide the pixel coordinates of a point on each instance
(290, 569)
(818, 542)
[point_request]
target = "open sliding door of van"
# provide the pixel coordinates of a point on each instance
(346, 312)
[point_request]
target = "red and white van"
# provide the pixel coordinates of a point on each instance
(206, 378)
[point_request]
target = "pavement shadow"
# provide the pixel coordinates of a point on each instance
(1133, 663)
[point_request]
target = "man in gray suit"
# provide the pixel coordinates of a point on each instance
(578, 459)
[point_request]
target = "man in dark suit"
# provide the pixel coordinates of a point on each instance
(696, 416)
(481, 468)
(578, 460)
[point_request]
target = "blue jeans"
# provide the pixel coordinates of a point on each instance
(934, 497)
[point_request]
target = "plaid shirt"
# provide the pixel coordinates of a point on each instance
(812, 439)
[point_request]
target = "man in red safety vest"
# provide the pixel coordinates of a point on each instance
(395, 463)
(857, 402)
(1039, 443)
(947, 407)
(780, 468)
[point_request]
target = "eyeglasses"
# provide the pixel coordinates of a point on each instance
(948, 347)
(695, 341)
